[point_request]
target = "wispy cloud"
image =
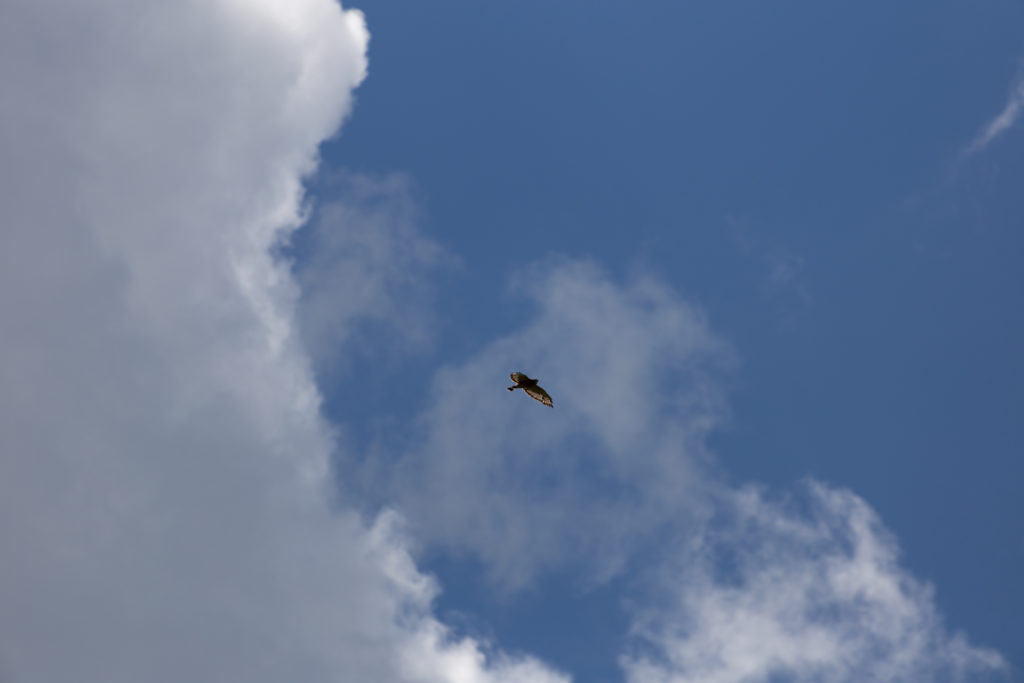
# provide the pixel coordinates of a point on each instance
(631, 368)
(365, 265)
(1003, 122)
(747, 589)
(801, 592)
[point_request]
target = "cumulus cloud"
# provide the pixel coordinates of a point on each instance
(165, 503)
(801, 592)
(620, 463)
(164, 498)
(1003, 121)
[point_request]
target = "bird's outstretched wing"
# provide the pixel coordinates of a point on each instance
(538, 394)
(518, 377)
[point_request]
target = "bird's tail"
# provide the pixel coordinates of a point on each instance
(511, 388)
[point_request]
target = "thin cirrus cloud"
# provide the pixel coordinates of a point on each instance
(164, 499)
(1005, 120)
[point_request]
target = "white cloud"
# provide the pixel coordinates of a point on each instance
(614, 467)
(617, 477)
(425, 651)
(164, 511)
(779, 593)
(1003, 121)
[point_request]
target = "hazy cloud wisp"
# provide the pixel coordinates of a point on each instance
(363, 263)
(632, 368)
(1003, 121)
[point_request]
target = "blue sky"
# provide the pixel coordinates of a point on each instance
(265, 268)
(799, 170)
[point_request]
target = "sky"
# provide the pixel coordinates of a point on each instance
(266, 267)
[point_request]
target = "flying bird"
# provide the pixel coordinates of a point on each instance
(531, 387)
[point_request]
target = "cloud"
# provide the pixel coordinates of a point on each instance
(619, 463)
(1001, 123)
(165, 508)
(802, 592)
(617, 479)
(362, 258)
(425, 652)
(166, 512)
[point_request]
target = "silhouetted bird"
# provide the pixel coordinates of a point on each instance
(531, 387)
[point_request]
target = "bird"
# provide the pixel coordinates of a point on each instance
(530, 386)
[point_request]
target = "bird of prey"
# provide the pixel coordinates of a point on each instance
(531, 387)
